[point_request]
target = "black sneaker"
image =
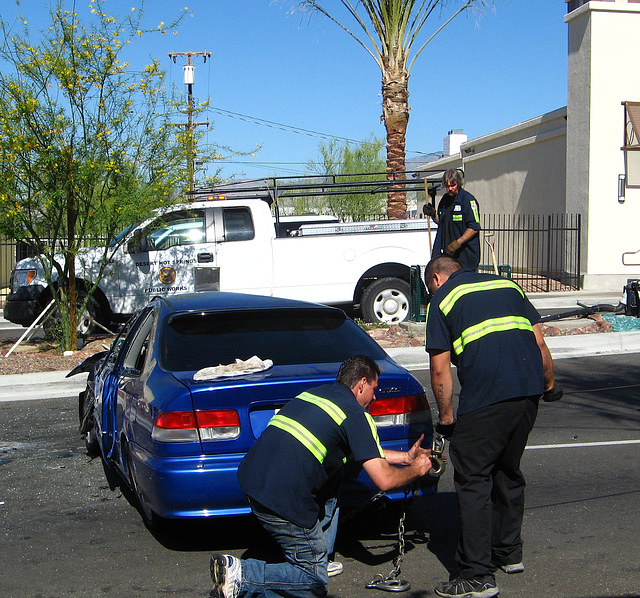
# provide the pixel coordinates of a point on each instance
(478, 587)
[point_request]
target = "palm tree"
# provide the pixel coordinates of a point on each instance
(392, 28)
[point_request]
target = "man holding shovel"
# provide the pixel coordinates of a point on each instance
(458, 220)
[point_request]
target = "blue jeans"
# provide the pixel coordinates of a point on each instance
(306, 550)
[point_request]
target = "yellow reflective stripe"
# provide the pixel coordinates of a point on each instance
(456, 217)
(374, 432)
(473, 333)
(446, 305)
(331, 409)
(476, 212)
(301, 434)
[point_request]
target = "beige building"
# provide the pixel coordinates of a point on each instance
(582, 159)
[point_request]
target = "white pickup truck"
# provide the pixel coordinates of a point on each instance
(232, 245)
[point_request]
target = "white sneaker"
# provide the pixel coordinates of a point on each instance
(226, 573)
(334, 568)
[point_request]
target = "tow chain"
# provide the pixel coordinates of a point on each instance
(391, 583)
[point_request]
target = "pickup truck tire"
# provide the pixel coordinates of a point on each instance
(85, 322)
(386, 301)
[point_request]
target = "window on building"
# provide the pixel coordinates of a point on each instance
(631, 145)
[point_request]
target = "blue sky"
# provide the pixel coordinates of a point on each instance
(480, 74)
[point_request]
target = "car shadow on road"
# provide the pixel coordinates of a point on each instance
(369, 536)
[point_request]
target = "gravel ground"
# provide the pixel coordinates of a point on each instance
(43, 356)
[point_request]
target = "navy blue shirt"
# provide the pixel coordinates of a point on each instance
(455, 216)
(297, 462)
(486, 321)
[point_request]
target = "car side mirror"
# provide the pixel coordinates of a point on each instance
(138, 243)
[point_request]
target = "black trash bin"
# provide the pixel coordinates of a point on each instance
(632, 290)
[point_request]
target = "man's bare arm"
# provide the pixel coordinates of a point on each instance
(442, 383)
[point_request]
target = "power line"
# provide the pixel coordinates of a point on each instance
(293, 129)
(265, 165)
(281, 126)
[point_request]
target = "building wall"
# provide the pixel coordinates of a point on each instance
(603, 72)
(521, 169)
(518, 170)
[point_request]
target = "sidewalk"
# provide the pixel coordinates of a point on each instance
(560, 346)
(20, 387)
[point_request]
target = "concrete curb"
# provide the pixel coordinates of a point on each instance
(41, 385)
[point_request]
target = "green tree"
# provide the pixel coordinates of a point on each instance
(339, 159)
(391, 29)
(85, 145)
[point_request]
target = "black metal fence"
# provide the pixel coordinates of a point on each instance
(540, 252)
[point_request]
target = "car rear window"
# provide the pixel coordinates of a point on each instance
(288, 336)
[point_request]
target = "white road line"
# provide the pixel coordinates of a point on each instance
(581, 444)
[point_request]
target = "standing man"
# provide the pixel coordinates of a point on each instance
(458, 220)
(292, 477)
(485, 325)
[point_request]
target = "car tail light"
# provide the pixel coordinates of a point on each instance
(183, 426)
(219, 424)
(399, 411)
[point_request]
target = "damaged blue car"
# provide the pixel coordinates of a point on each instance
(192, 380)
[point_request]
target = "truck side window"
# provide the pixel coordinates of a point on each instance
(238, 225)
(185, 227)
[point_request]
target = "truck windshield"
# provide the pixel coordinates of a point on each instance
(121, 235)
(286, 336)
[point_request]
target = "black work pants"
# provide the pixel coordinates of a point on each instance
(486, 448)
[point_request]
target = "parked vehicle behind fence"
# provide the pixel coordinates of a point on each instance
(220, 244)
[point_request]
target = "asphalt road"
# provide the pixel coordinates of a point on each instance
(65, 533)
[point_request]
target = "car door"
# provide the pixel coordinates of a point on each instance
(161, 258)
(243, 257)
(130, 384)
(111, 384)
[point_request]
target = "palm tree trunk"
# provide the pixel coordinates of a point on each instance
(395, 113)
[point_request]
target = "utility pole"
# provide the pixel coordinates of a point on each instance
(189, 77)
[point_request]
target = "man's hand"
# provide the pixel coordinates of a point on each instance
(416, 450)
(422, 464)
(445, 430)
(428, 209)
(553, 394)
(452, 248)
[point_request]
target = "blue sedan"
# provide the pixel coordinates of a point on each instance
(172, 410)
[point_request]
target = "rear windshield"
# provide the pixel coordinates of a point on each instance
(288, 336)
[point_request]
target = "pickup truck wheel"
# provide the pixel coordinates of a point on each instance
(85, 324)
(386, 301)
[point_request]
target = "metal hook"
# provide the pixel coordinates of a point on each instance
(437, 449)
(390, 584)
